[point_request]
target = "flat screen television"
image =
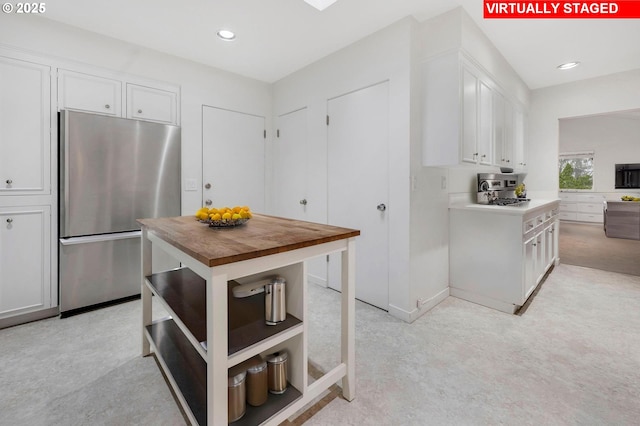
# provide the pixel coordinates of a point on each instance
(628, 175)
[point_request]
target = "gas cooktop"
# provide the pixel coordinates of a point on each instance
(509, 201)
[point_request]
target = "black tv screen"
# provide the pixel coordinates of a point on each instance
(628, 175)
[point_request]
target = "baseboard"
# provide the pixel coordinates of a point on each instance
(314, 279)
(426, 306)
(31, 316)
(488, 302)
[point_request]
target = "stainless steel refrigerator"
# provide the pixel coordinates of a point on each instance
(112, 172)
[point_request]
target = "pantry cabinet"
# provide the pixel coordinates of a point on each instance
(25, 128)
(500, 254)
(25, 260)
(204, 338)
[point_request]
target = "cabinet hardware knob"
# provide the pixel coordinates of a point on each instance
(207, 186)
(9, 181)
(10, 220)
(208, 202)
(508, 161)
(107, 106)
(381, 207)
(139, 111)
(534, 244)
(484, 155)
(303, 201)
(475, 154)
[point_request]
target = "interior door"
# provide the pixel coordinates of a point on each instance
(232, 158)
(358, 135)
(290, 166)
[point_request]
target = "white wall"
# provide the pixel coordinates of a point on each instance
(616, 92)
(199, 84)
(382, 56)
(613, 139)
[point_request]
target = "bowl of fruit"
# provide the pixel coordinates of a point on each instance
(629, 198)
(224, 217)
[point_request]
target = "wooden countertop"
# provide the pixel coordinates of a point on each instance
(261, 236)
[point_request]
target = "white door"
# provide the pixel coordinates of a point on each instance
(358, 143)
(232, 158)
(290, 169)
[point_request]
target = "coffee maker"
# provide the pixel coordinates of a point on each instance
(499, 188)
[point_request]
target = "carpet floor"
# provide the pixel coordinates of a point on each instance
(587, 245)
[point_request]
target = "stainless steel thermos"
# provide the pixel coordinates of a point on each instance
(277, 372)
(275, 301)
(237, 397)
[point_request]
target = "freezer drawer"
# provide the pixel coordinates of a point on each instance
(98, 269)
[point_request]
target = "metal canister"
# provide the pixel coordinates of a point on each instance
(257, 384)
(275, 306)
(237, 396)
(277, 372)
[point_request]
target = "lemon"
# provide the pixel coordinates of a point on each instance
(215, 216)
(213, 211)
(226, 216)
(249, 215)
(236, 216)
(244, 214)
(202, 215)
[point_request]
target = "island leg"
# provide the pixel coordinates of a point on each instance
(348, 319)
(145, 249)
(217, 350)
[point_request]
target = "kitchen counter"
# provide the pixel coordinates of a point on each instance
(524, 209)
(202, 311)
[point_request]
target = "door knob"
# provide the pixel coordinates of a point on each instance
(208, 202)
(9, 181)
(381, 207)
(207, 186)
(9, 220)
(303, 201)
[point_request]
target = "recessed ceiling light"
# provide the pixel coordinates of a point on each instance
(568, 65)
(320, 4)
(226, 35)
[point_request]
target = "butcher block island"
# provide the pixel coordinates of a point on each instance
(202, 310)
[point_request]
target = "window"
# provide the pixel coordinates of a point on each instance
(576, 170)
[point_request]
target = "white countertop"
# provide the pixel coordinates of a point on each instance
(520, 210)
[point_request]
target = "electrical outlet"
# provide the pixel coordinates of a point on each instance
(443, 182)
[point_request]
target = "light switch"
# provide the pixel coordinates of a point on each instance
(191, 185)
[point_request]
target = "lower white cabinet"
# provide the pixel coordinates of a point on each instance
(25, 260)
(499, 255)
(582, 207)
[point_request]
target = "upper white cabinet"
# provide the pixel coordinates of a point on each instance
(147, 103)
(25, 122)
(107, 95)
(466, 117)
(89, 93)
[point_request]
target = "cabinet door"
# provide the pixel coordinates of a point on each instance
(469, 117)
(508, 134)
(84, 92)
(519, 149)
(25, 128)
(25, 261)
(485, 117)
(529, 282)
(147, 103)
(549, 246)
(498, 130)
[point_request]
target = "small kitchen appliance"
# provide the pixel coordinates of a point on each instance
(500, 189)
(275, 308)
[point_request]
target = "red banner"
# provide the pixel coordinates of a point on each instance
(621, 9)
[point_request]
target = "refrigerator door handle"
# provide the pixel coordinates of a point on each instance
(98, 238)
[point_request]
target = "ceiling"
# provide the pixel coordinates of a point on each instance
(278, 37)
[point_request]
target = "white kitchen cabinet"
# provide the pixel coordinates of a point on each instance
(89, 93)
(25, 128)
(25, 260)
(582, 207)
(503, 140)
(499, 255)
(466, 116)
(152, 104)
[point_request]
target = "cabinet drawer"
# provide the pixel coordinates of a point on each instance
(590, 208)
(568, 206)
(566, 196)
(568, 216)
(589, 217)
